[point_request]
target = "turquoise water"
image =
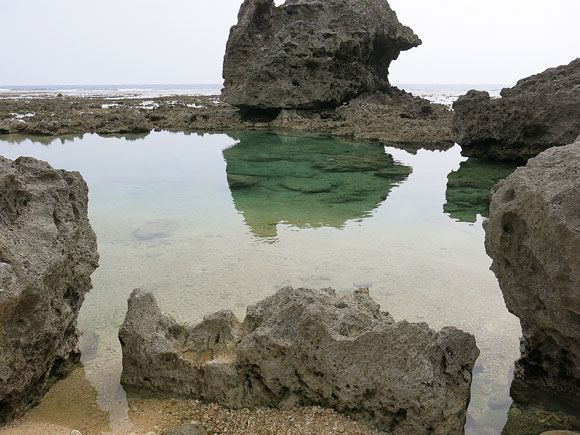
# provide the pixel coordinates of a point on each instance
(221, 221)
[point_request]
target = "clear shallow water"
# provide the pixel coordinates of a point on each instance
(303, 212)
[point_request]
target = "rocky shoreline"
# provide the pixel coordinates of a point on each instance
(388, 119)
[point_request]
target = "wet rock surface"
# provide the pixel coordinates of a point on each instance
(399, 119)
(303, 347)
(533, 236)
(539, 112)
(47, 254)
(310, 53)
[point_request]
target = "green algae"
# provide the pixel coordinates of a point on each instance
(307, 182)
(468, 188)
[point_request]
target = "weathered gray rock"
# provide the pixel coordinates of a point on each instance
(306, 347)
(311, 53)
(47, 254)
(533, 236)
(540, 112)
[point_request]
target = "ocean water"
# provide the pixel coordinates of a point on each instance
(443, 94)
(216, 221)
(109, 91)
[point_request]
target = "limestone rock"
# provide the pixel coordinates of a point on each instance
(306, 347)
(539, 112)
(47, 254)
(533, 236)
(311, 53)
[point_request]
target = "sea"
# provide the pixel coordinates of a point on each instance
(438, 93)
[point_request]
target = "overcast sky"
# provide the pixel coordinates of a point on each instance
(183, 41)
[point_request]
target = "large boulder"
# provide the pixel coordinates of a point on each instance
(311, 53)
(47, 254)
(533, 236)
(539, 112)
(306, 347)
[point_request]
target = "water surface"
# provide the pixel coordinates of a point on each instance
(221, 221)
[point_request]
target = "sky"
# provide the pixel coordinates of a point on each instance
(76, 42)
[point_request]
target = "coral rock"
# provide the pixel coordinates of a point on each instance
(47, 254)
(539, 112)
(306, 347)
(311, 53)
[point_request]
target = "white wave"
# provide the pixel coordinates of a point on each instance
(20, 115)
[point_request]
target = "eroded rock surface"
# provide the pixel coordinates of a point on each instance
(311, 53)
(47, 254)
(539, 112)
(533, 236)
(304, 347)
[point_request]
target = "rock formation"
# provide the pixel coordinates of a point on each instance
(533, 236)
(306, 347)
(311, 53)
(540, 112)
(47, 254)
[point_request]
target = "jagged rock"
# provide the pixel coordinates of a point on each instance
(533, 236)
(306, 347)
(540, 112)
(47, 254)
(311, 53)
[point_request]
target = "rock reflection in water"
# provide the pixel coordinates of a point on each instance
(468, 188)
(307, 182)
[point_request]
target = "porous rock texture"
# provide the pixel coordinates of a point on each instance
(539, 112)
(47, 254)
(311, 53)
(306, 347)
(533, 236)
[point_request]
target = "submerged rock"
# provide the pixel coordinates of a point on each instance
(304, 347)
(47, 254)
(311, 53)
(533, 236)
(539, 112)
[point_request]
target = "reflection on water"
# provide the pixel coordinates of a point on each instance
(468, 188)
(168, 221)
(307, 182)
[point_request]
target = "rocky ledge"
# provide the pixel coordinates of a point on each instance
(398, 118)
(533, 236)
(540, 112)
(47, 254)
(307, 54)
(305, 347)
